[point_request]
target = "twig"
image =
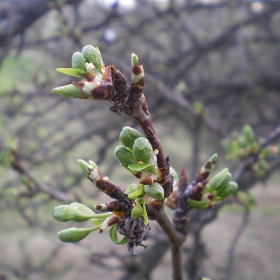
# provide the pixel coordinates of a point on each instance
(234, 243)
(176, 240)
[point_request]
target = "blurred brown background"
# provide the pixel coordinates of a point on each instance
(221, 55)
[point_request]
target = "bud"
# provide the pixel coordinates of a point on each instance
(266, 151)
(224, 183)
(137, 69)
(134, 60)
(261, 167)
(125, 156)
(155, 191)
(229, 190)
(75, 212)
(199, 205)
(93, 55)
(81, 208)
(137, 210)
(248, 133)
(75, 234)
(86, 167)
(254, 147)
(242, 141)
(217, 181)
(78, 61)
(71, 91)
(93, 164)
(90, 170)
(142, 149)
(108, 222)
(208, 166)
(128, 135)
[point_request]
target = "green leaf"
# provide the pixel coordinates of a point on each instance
(78, 61)
(114, 236)
(137, 193)
(145, 215)
(100, 218)
(137, 210)
(142, 149)
(149, 167)
(155, 191)
(199, 205)
(128, 135)
(217, 180)
(72, 72)
(132, 188)
(71, 91)
(229, 190)
(86, 167)
(93, 55)
(139, 166)
(125, 156)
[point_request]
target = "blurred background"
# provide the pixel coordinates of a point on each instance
(211, 67)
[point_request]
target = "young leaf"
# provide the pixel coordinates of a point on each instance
(155, 191)
(145, 215)
(72, 72)
(128, 135)
(114, 236)
(199, 205)
(137, 193)
(139, 166)
(78, 61)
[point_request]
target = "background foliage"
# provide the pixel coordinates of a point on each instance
(211, 67)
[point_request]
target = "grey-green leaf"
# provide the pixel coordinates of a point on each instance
(114, 236)
(79, 61)
(128, 135)
(72, 72)
(142, 149)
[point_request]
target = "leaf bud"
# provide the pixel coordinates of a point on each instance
(86, 167)
(217, 180)
(137, 210)
(128, 135)
(255, 147)
(248, 133)
(75, 212)
(142, 149)
(93, 55)
(155, 191)
(74, 234)
(71, 91)
(229, 190)
(224, 183)
(79, 61)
